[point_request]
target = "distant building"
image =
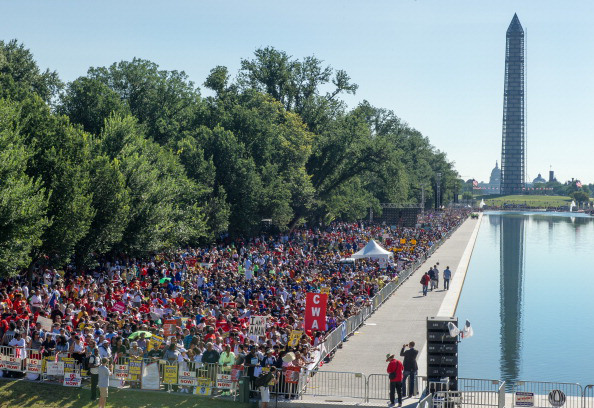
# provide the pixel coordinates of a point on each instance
(494, 184)
(539, 179)
(513, 149)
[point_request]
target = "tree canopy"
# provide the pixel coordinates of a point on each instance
(132, 159)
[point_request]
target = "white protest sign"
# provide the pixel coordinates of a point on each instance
(46, 324)
(257, 325)
(72, 380)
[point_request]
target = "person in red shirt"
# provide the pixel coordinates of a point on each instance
(394, 370)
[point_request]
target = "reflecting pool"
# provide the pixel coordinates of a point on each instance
(529, 297)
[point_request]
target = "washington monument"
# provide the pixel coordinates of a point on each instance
(513, 146)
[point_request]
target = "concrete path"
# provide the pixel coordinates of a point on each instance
(401, 319)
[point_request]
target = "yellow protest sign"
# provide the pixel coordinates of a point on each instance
(295, 337)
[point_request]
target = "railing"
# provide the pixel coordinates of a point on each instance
(546, 394)
(336, 337)
(288, 385)
(337, 383)
(426, 402)
(588, 396)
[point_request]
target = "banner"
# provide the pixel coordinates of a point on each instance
(120, 371)
(72, 380)
(187, 378)
(170, 374)
(315, 311)
(257, 325)
(295, 337)
(150, 377)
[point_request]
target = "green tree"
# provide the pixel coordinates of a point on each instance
(580, 196)
(20, 76)
(89, 102)
(23, 202)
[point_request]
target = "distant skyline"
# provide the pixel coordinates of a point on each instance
(438, 65)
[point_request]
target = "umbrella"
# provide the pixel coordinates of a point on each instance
(137, 334)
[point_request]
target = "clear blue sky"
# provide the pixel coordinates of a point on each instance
(437, 64)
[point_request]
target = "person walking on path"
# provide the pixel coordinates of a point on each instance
(432, 277)
(103, 382)
(394, 370)
(94, 363)
(425, 279)
(447, 275)
(436, 275)
(410, 368)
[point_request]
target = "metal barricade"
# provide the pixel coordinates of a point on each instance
(588, 396)
(337, 383)
(378, 387)
(426, 402)
(567, 394)
(287, 385)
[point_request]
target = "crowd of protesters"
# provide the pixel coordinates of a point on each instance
(211, 292)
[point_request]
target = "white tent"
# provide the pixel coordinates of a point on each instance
(372, 250)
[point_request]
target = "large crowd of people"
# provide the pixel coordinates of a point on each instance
(198, 301)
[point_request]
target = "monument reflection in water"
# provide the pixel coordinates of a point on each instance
(511, 255)
(526, 295)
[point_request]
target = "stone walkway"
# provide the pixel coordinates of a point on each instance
(401, 319)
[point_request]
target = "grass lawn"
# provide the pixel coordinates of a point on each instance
(529, 200)
(36, 395)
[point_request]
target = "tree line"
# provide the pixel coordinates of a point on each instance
(133, 159)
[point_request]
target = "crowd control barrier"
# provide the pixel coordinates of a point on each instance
(547, 394)
(340, 334)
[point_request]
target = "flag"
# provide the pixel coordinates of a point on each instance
(474, 183)
(578, 184)
(467, 330)
(52, 301)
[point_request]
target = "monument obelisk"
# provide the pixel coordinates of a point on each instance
(513, 146)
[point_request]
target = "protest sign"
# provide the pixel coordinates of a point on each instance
(46, 324)
(120, 371)
(224, 381)
(12, 363)
(187, 378)
(34, 365)
(292, 375)
(295, 337)
(119, 307)
(204, 386)
(134, 369)
(257, 325)
(169, 327)
(170, 374)
(54, 368)
(72, 380)
(150, 377)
